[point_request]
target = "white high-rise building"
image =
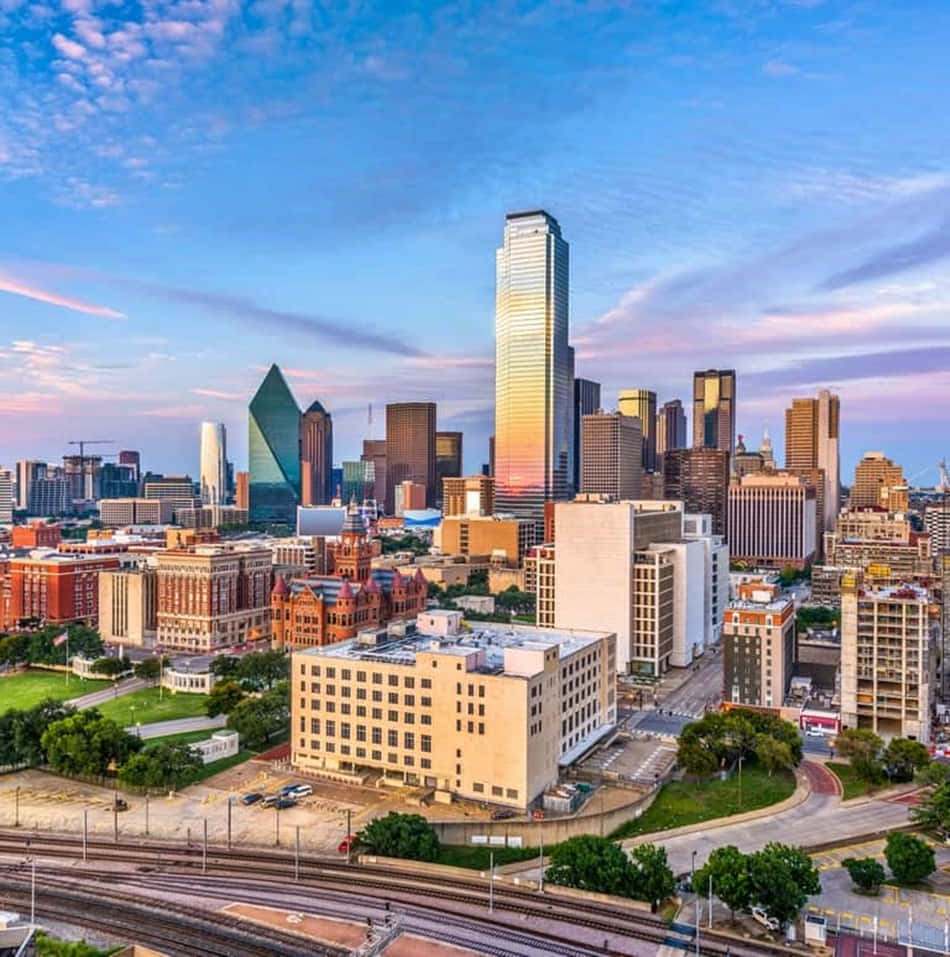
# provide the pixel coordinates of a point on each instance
(698, 527)
(214, 464)
(532, 367)
(6, 495)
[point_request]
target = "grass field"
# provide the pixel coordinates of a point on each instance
(149, 708)
(681, 802)
(186, 737)
(851, 784)
(477, 858)
(31, 687)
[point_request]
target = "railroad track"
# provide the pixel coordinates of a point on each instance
(441, 894)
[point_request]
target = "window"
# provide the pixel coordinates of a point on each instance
(315, 687)
(409, 700)
(331, 672)
(409, 740)
(481, 727)
(361, 752)
(409, 682)
(361, 711)
(377, 755)
(331, 747)
(426, 743)
(409, 717)
(345, 691)
(471, 690)
(345, 674)
(314, 725)
(331, 689)
(393, 715)
(471, 727)
(361, 732)
(344, 708)
(393, 758)
(427, 682)
(377, 678)
(361, 676)
(331, 729)
(497, 791)
(344, 749)
(393, 698)
(425, 701)
(377, 714)
(408, 760)
(392, 738)
(458, 687)
(481, 691)
(315, 671)
(360, 694)
(478, 787)
(512, 793)
(393, 680)
(425, 763)
(331, 707)
(426, 718)
(377, 735)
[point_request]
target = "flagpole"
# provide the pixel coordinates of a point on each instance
(67, 656)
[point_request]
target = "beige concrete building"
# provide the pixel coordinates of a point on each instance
(213, 596)
(611, 460)
(879, 482)
(211, 516)
(883, 560)
(128, 606)
(758, 641)
(502, 538)
(118, 512)
(487, 713)
(812, 432)
(873, 524)
(470, 495)
(888, 652)
(539, 580)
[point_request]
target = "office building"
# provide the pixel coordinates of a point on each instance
(7, 501)
(812, 431)
(745, 462)
(611, 457)
(213, 596)
(539, 581)
(374, 451)
(670, 430)
(586, 402)
(641, 404)
(27, 472)
(826, 583)
(501, 538)
(815, 479)
(50, 493)
(699, 478)
(491, 713)
(885, 546)
(448, 458)
(879, 482)
(690, 625)
(213, 476)
(117, 481)
(178, 491)
(472, 495)
(119, 512)
(410, 448)
(128, 606)
(316, 456)
(758, 646)
(772, 520)
(133, 460)
(937, 524)
(943, 572)
(212, 516)
(35, 535)
(408, 496)
(887, 660)
(359, 479)
(714, 410)
(698, 528)
(532, 366)
(274, 451)
(242, 490)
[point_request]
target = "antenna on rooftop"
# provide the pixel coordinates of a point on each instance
(369, 420)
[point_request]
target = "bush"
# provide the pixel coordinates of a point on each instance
(408, 836)
(909, 858)
(166, 765)
(866, 873)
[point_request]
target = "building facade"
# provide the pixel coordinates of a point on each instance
(410, 448)
(539, 581)
(641, 404)
(699, 478)
(242, 490)
(532, 366)
(489, 714)
(128, 606)
(611, 457)
(714, 410)
(316, 456)
(7, 501)
(937, 524)
(670, 429)
(880, 483)
(213, 475)
(586, 402)
(118, 512)
(448, 459)
(27, 472)
(486, 535)
(812, 435)
(472, 495)
(35, 535)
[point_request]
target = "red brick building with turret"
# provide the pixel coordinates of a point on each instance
(324, 609)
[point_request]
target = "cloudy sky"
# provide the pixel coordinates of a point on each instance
(192, 189)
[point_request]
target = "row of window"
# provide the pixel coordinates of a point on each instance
(345, 751)
(346, 674)
(330, 707)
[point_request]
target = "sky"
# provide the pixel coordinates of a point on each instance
(193, 189)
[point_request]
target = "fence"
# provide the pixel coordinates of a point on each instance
(906, 933)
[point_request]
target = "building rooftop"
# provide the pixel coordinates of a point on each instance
(906, 592)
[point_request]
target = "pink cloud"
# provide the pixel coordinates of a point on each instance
(41, 295)
(69, 48)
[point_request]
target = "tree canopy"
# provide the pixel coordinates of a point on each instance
(933, 812)
(148, 669)
(400, 835)
(727, 868)
(863, 747)
(260, 720)
(910, 858)
(903, 757)
(87, 743)
(165, 765)
(21, 732)
(36, 647)
(225, 696)
(781, 879)
(866, 873)
(591, 863)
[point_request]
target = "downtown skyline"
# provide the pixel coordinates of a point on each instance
(753, 213)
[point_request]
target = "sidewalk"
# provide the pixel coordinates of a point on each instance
(160, 729)
(124, 687)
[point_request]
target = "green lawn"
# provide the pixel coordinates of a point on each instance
(477, 858)
(216, 767)
(149, 708)
(682, 802)
(186, 737)
(851, 784)
(31, 687)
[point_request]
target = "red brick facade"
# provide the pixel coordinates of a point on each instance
(34, 535)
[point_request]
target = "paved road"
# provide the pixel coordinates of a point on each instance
(159, 729)
(126, 686)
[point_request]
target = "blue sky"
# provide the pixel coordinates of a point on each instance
(192, 189)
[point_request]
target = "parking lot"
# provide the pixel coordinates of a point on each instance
(640, 758)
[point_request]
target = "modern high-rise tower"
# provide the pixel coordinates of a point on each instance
(316, 456)
(714, 410)
(586, 402)
(410, 448)
(642, 404)
(812, 428)
(670, 429)
(214, 464)
(532, 367)
(274, 451)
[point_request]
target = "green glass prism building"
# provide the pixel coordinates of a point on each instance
(274, 451)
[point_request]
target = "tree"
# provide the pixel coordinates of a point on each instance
(408, 836)
(902, 757)
(30, 727)
(781, 878)
(866, 873)
(87, 743)
(728, 869)
(110, 667)
(263, 669)
(47, 946)
(694, 759)
(224, 698)
(165, 765)
(149, 669)
(933, 812)
(863, 747)
(935, 773)
(259, 720)
(909, 858)
(653, 880)
(225, 666)
(592, 864)
(772, 754)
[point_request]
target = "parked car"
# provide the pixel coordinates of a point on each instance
(347, 843)
(270, 800)
(763, 918)
(121, 804)
(252, 798)
(503, 813)
(282, 803)
(289, 788)
(300, 790)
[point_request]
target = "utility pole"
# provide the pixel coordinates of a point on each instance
(491, 882)
(297, 854)
(146, 812)
(541, 859)
(85, 831)
(204, 849)
(16, 822)
(349, 843)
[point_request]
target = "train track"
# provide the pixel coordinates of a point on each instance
(252, 871)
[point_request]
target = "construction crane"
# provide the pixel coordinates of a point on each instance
(82, 443)
(944, 484)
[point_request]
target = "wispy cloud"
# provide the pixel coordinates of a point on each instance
(779, 68)
(220, 394)
(18, 288)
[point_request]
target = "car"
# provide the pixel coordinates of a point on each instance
(300, 791)
(252, 798)
(759, 914)
(282, 803)
(269, 800)
(121, 804)
(502, 814)
(289, 788)
(814, 733)
(347, 843)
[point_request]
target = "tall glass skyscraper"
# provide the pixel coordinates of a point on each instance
(274, 451)
(214, 464)
(641, 403)
(316, 456)
(532, 367)
(714, 410)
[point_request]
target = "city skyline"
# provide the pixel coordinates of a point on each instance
(147, 278)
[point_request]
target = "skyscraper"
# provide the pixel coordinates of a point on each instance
(6, 495)
(812, 432)
(133, 458)
(374, 451)
(880, 483)
(714, 410)
(448, 457)
(214, 464)
(670, 429)
(642, 404)
(586, 402)
(27, 472)
(274, 451)
(700, 479)
(316, 456)
(410, 448)
(611, 456)
(532, 366)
